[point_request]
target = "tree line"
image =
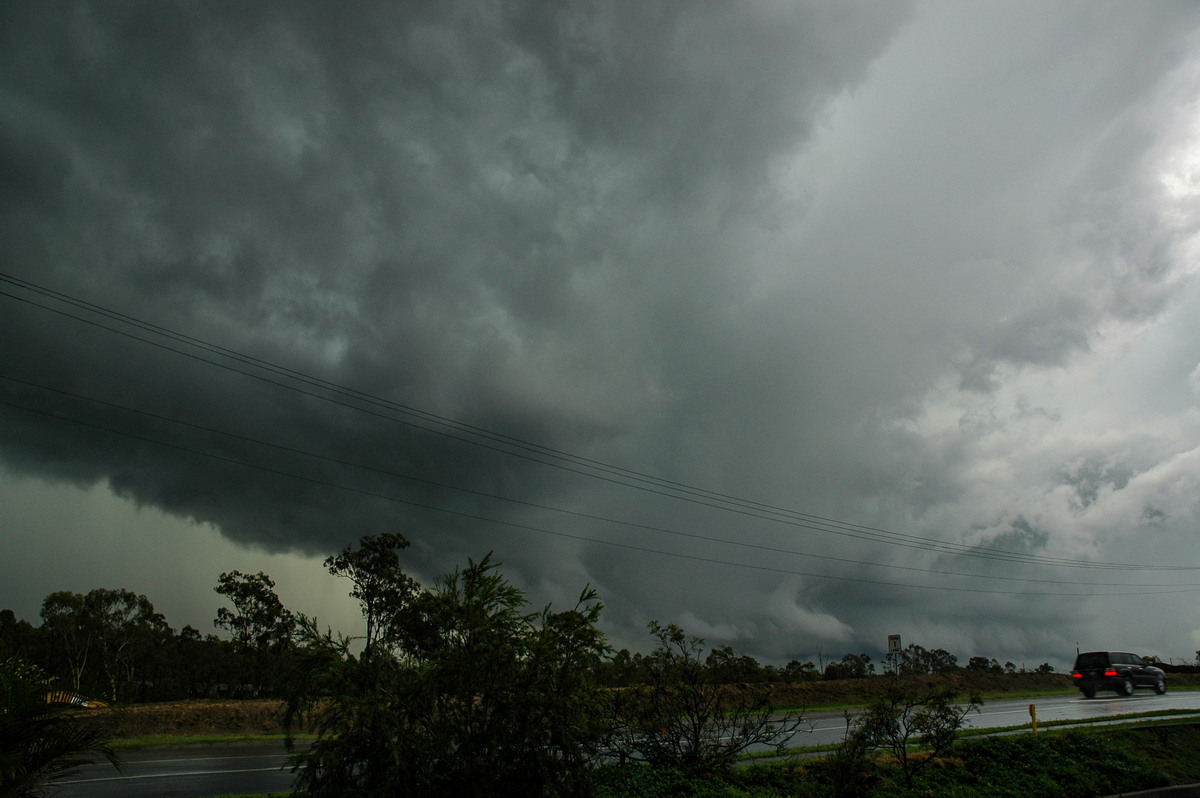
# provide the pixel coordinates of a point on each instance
(458, 687)
(113, 644)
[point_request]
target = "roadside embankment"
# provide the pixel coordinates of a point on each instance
(196, 718)
(265, 716)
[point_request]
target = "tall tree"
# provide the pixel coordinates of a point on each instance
(917, 659)
(850, 666)
(258, 619)
(201, 662)
(726, 666)
(797, 671)
(261, 627)
(16, 636)
(64, 617)
(125, 624)
(984, 665)
(381, 587)
(461, 691)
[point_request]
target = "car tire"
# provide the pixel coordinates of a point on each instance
(1088, 692)
(1126, 687)
(1160, 686)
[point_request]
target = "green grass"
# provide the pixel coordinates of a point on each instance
(1093, 757)
(1106, 720)
(1073, 763)
(1070, 763)
(1044, 726)
(985, 697)
(150, 740)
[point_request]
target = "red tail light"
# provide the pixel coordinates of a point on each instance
(1076, 675)
(1110, 672)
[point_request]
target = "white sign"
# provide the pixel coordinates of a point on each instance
(893, 644)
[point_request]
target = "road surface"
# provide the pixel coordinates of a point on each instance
(196, 771)
(185, 771)
(830, 727)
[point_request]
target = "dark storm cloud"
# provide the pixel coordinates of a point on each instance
(422, 203)
(816, 256)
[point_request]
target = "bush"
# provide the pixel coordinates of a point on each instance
(643, 781)
(683, 718)
(459, 691)
(40, 740)
(1077, 764)
(905, 720)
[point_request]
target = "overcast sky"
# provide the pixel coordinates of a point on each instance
(797, 324)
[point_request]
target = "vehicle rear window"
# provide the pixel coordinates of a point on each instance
(1097, 659)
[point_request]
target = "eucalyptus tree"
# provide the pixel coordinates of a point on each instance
(64, 621)
(380, 585)
(915, 659)
(258, 619)
(99, 637)
(458, 689)
(850, 666)
(125, 626)
(260, 626)
(16, 636)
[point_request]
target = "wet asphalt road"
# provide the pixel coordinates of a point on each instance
(185, 771)
(197, 771)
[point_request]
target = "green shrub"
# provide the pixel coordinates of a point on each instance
(683, 718)
(40, 740)
(1082, 763)
(459, 690)
(756, 781)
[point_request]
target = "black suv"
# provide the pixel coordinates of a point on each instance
(1115, 670)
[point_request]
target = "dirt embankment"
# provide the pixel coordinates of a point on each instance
(853, 692)
(192, 718)
(850, 692)
(252, 717)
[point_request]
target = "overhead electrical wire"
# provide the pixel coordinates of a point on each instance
(528, 450)
(1158, 590)
(291, 450)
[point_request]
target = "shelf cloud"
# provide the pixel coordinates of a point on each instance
(797, 324)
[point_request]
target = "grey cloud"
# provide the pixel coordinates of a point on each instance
(801, 254)
(1091, 475)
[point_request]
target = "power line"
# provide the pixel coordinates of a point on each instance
(584, 538)
(535, 505)
(530, 451)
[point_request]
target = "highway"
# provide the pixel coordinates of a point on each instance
(197, 771)
(830, 727)
(184, 771)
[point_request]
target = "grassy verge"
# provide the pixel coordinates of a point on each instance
(1066, 763)
(1106, 721)
(1072, 763)
(151, 740)
(1104, 759)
